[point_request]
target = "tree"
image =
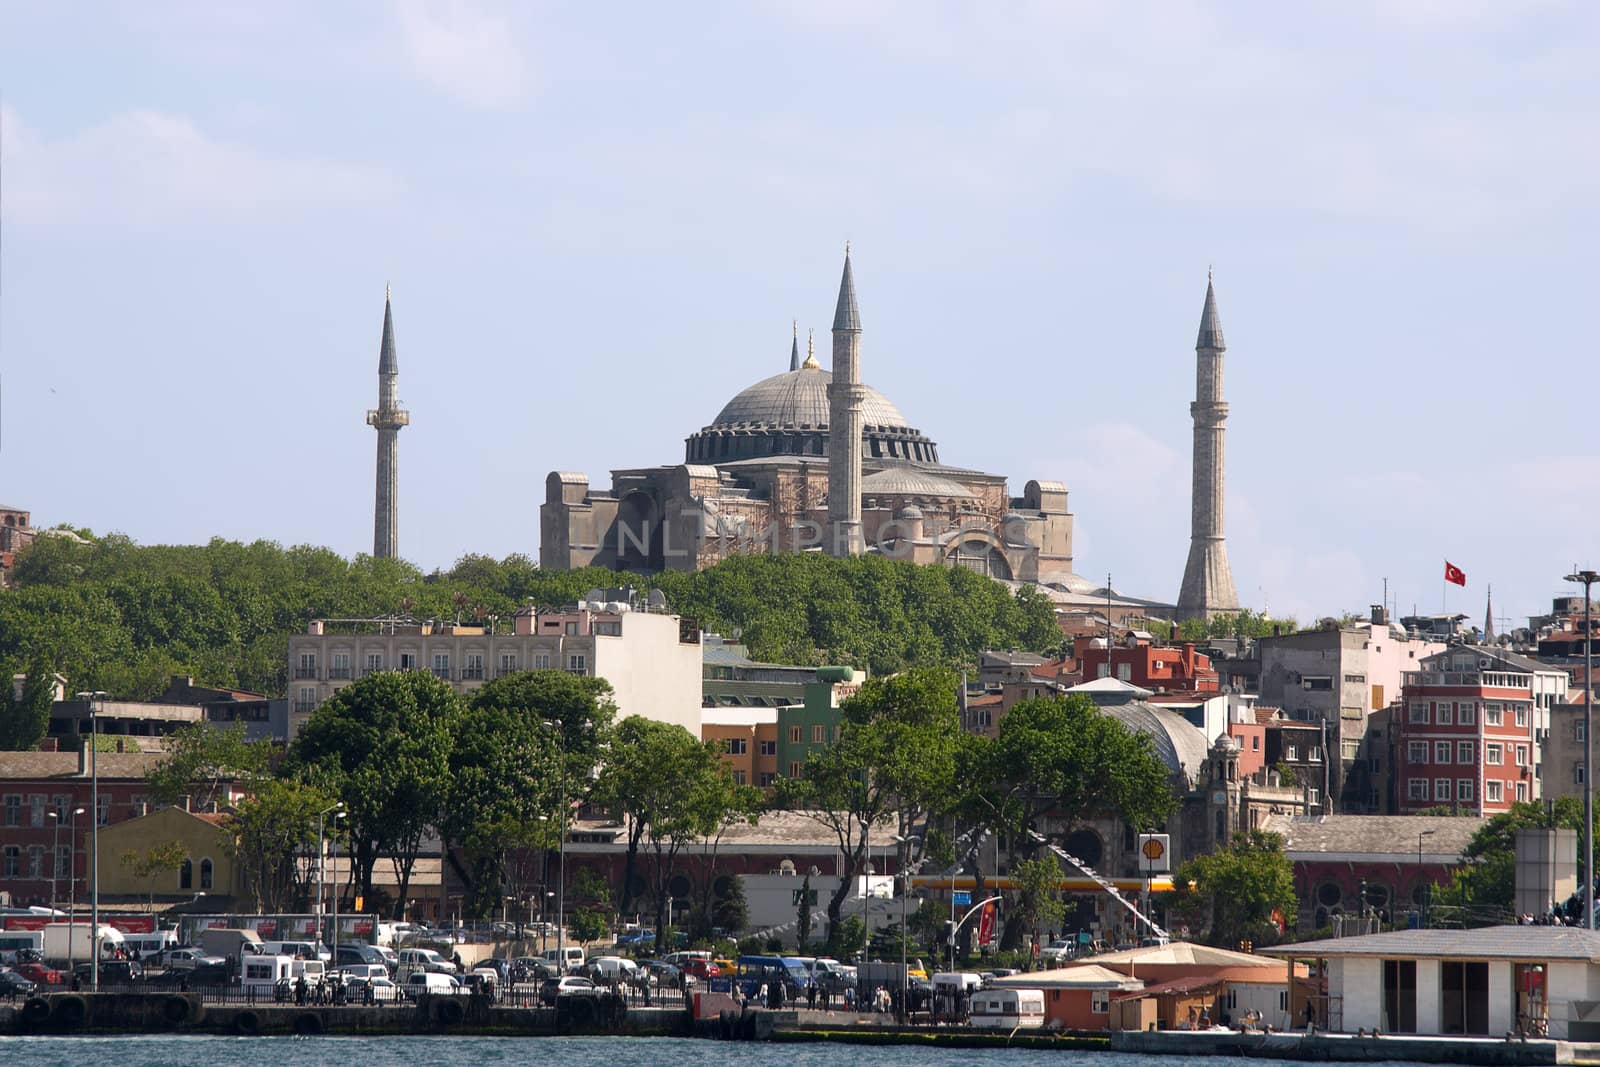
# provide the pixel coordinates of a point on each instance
(202, 759)
(271, 833)
(1236, 891)
(674, 789)
(382, 744)
(25, 716)
(157, 859)
(1487, 877)
(1038, 884)
(894, 761)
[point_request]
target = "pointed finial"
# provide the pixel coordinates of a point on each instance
(811, 351)
(847, 248)
(794, 347)
(385, 292)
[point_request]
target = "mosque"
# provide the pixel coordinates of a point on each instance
(762, 475)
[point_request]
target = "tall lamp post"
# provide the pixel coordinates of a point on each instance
(322, 865)
(1588, 578)
(1420, 836)
(55, 851)
(561, 855)
(335, 949)
(905, 893)
(93, 698)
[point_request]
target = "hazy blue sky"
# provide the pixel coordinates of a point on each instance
(599, 221)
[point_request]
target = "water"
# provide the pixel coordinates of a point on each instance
(522, 1051)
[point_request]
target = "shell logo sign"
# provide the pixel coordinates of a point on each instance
(1153, 853)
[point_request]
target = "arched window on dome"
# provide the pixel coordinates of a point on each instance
(982, 557)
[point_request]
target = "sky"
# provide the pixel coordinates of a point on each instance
(600, 220)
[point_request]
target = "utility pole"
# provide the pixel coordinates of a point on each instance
(1588, 578)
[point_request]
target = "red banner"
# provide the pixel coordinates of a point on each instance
(27, 922)
(267, 929)
(986, 922)
(134, 924)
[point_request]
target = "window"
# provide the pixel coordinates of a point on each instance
(1419, 711)
(577, 664)
(1577, 774)
(441, 665)
(35, 861)
(735, 746)
(1522, 715)
(1522, 755)
(1579, 728)
(1467, 714)
(1125, 672)
(738, 778)
(1291, 752)
(104, 814)
(59, 804)
(13, 809)
(541, 661)
(797, 735)
(1312, 798)
(1255, 743)
(340, 668)
(408, 661)
(819, 734)
(1445, 716)
(1283, 1000)
(205, 873)
(1100, 1002)
(374, 662)
(186, 875)
(797, 769)
(307, 667)
(767, 779)
(472, 667)
(1493, 791)
(1467, 752)
(607, 629)
(1441, 752)
(1314, 754)
(1492, 715)
(305, 698)
(1463, 788)
(508, 663)
(768, 748)
(1441, 789)
(1494, 754)
(572, 629)
(36, 809)
(64, 861)
(13, 862)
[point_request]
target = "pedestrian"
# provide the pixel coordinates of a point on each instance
(1193, 1021)
(811, 996)
(762, 994)
(1205, 1018)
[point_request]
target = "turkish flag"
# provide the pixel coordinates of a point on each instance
(1455, 574)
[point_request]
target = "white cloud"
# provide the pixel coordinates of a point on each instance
(462, 49)
(149, 168)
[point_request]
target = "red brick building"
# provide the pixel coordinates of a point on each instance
(1470, 729)
(39, 791)
(1138, 660)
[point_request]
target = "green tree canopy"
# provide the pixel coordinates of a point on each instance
(1234, 892)
(25, 716)
(382, 745)
(202, 760)
(272, 831)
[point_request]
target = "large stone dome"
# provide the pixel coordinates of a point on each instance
(800, 398)
(787, 415)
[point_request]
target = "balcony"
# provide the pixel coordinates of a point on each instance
(305, 707)
(472, 674)
(338, 674)
(504, 671)
(442, 672)
(305, 672)
(1472, 679)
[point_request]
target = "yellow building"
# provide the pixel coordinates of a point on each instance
(206, 866)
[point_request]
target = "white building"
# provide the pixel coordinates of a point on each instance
(652, 659)
(1489, 981)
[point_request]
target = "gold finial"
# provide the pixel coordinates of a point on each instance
(811, 351)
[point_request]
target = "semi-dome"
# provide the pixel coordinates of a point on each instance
(800, 398)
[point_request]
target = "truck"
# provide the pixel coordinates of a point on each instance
(62, 942)
(230, 944)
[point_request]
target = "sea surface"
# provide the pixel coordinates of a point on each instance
(143, 1051)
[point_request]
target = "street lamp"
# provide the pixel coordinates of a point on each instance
(561, 857)
(322, 863)
(905, 893)
(94, 839)
(1420, 836)
(1588, 578)
(335, 949)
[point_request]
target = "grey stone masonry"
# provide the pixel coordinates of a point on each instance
(1207, 579)
(387, 419)
(846, 396)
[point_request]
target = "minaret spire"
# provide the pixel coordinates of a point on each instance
(1207, 578)
(846, 396)
(794, 348)
(387, 418)
(1488, 617)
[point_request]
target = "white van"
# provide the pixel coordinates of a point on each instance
(150, 944)
(260, 975)
(364, 971)
(15, 941)
(1007, 1009)
(567, 959)
(304, 950)
(428, 982)
(313, 971)
(424, 960)
(614, 968)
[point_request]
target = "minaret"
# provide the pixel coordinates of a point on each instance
(387, 420)
(1488, 619)
(845, 397)
(1207, 579)
(794, 349)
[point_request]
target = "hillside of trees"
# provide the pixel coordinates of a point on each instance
(123, 617)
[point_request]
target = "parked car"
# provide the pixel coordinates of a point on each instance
(1059, 951)
(411, 960)
(420, 982)
(188, 959)
(384, 990)
(636, 937)
(361, 953)
(702, 969)
(13, 984)
(39, 974)
(570, 986)
(608, 969)
(207, 974)
(500, 968)
(119, 971)
(662, 974)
